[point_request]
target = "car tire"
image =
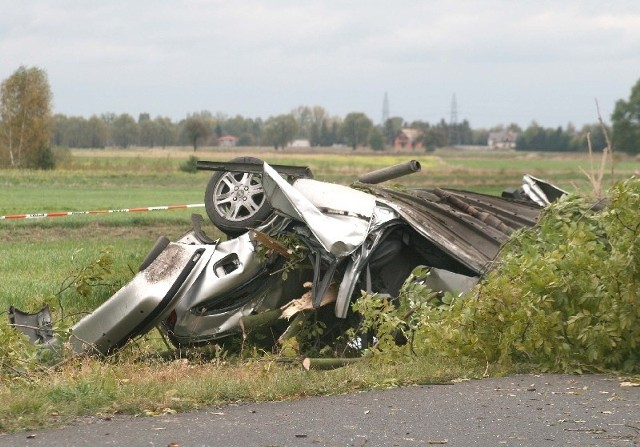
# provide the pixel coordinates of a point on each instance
(235, 201)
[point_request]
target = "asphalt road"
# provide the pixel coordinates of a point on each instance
(526, 410)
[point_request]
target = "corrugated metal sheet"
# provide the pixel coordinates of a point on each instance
(470, 227)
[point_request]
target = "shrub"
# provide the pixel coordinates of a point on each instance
(17, 356)
(564, 295)
(191, 165)
(46, 158)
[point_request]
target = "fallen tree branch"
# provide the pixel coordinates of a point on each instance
(328, 363)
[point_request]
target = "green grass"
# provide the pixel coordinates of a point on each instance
(36, 270)
(38, 255)
(51, 191)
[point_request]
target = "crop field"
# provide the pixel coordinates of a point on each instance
(38, 254)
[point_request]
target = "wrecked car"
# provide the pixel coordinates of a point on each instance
(294, 244)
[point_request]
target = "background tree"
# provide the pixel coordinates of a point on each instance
(434, 137)
(59, 125)
(75, 134)
(355, 129)
(257, 127)
(165, 131)
(464, 132)
(124, 130)
(195, 129)
(310, 121)
(25, 117)
(246, 129)
(538, 138)
(579, 141)
(108, 118)
(147, 130)
(281, 130)
(376, 139)
(98, 132)
(479, 137)
(76, 131)
(304, 120)
(319, 117)
(392, 126)
(626, 123)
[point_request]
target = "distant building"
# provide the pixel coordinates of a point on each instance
(227, 141)
(300, 143)
(408, 139)
(504, 139)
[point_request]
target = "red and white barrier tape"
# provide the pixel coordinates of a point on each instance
(78, 213)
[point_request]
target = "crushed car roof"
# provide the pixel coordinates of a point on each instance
(471, 227)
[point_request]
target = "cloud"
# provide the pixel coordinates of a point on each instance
(502, 58)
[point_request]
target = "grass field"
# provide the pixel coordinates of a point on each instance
(39, 255)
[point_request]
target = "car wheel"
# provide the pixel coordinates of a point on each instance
(235, 201)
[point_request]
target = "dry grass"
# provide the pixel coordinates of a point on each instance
(596, 173)
(90, 387)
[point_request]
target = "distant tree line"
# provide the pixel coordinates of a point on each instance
(313, 124)
(28, 129)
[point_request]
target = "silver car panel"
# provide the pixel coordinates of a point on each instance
(339, 234)
(140, 304)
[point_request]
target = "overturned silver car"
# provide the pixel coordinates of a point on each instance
(295, 244)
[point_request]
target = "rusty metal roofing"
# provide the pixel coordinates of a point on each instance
(470, 227)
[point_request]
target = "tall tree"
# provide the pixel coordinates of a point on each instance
(124, 130)
(98, 132)
(304, 119)
(319, 116)
(75, 135)
(376, 139)
(589, 134)
(626, 123)
(434, 137)
(355, 129)
(327, 132)
(147, 130)
(281, 130)
(391, 128)
(537, 138)
(25, 118)
(59, 127)
(243, 128)
(195, 129)
(165, 131)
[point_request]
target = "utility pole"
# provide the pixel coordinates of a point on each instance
(385, 109)
(454, 134)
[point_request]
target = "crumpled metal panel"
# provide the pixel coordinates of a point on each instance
(336, 200)
(470, 227)
(140, 304)
(339, 234)
(541, 192)
(37, 326)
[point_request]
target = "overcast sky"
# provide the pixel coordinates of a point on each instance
(505, 61)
